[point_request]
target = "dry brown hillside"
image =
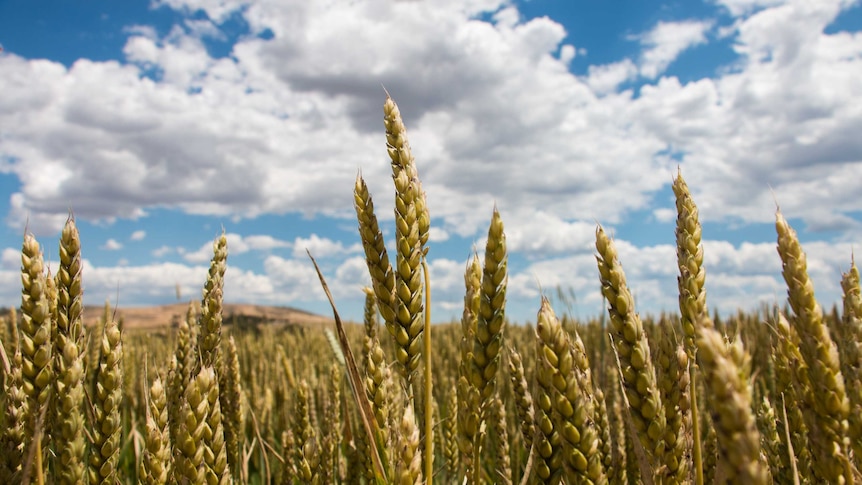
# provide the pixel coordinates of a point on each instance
(165, 315)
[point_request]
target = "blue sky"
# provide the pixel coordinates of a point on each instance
(161, 123)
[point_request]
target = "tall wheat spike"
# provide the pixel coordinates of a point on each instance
(70, 445)
(492, 309)
(692, 298)
(827, 421)
(638, 371)
(411, 229)
(209, 338)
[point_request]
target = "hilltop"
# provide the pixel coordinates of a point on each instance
(165, 315)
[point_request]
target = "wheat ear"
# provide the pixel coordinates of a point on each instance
(105, 450)
(492, 308)
(638, 371)
(523, 398)
(408, 244)
(828, 422)
(37, 367)
(232, 407)
(70, 444)
(156, 464)
(852, 360)
(733, 420)
(209, 338)
(468, 395)
(573, 413)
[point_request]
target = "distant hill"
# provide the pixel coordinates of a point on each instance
(166, 315)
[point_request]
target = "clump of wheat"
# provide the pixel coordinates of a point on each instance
(250, 404)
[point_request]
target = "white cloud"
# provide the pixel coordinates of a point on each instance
(147, 31)
(162, 251)
(436, 234)
(138, 235)
(737, 277)
(263, 242)
(112, 245)
(243, 144)
(604, 79)
(738, 8)
(666, 41)
(236, 244)
(567, 53)
(321, 247)
(540, 234)
(664, 214)
(494, 117)
(204, 29)
(10, 259)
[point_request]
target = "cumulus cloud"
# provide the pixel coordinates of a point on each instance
(112, 245)
(237, 243)
(494, 117)
(666, 41)
(138, 235)
(239, 143)
(162, 251)
(544, 234)
(605, 78)
(739, 8)
(745, 276)
(742, 276)
(10, 259)
(321, 247)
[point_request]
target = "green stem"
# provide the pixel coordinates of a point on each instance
(429, 424)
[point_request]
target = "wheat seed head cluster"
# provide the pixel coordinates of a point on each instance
(770, 396)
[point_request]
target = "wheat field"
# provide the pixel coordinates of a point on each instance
(772, 396)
